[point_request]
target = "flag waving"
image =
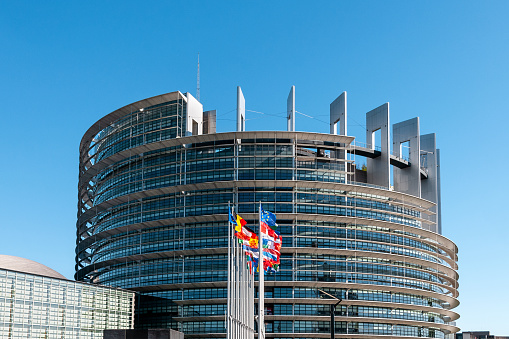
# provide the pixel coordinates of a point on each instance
(269, 219)
(246, 237)
(240, 223)
(271, 241)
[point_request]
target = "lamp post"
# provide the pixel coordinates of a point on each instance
(332, 310)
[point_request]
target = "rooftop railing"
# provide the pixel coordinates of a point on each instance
(365, 145)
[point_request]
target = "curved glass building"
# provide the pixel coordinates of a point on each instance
(154, 186)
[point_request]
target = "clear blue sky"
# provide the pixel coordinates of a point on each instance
(65, 64)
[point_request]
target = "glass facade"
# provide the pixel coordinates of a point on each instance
(33, 306)
(153, 218)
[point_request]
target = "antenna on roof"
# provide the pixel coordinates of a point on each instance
(198, 80)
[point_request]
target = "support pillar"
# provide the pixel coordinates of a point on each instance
(439, 196)
(429, 186)
(379, 168)
(338, 114)
(290, 108)
(241, 111)
(408, 180)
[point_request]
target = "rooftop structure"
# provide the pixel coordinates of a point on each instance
(9, 262)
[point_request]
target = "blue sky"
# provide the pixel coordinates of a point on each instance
(65, 64)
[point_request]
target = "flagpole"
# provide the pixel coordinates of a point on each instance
(234, 290)
(237, 290)
(251, 303)
(261, 278)
(241, 296)
(246, 292)
(228, 306)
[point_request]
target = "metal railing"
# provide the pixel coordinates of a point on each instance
(356, 143)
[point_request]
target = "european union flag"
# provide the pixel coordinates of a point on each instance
(269, 218)
(232, 219)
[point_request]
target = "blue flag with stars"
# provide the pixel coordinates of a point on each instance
(232, 218)
(269, 218)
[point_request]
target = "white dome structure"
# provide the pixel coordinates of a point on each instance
(23, 265)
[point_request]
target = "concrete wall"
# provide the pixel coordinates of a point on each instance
(241, 111)
(338, 114)
(194, 115)
(429, 186)
(407, 180)
(379, 167)
(439, 194)
(209, 122)
(290, 108)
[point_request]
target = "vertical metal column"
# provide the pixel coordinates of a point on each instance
(241, 111)
(241, 294)
(251, 306)
(290, 108)
(332, 322)
(261, 278)
(332, 310)
(379, 168)
(429, 186)
(338, 114)
(228, 284)
(408, 180)
(236, 288)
